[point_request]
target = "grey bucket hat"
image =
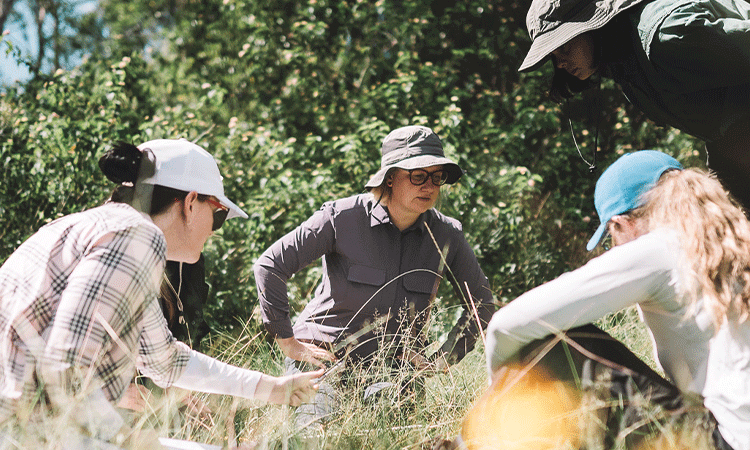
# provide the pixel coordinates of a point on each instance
(413, 147)
(552, 23)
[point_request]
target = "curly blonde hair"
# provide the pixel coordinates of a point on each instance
(715, 234)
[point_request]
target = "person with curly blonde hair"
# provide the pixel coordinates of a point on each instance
(681, 255)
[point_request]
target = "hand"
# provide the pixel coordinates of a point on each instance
(416, 359)
(135, 397)
(302, 351)
(197, 407)
(422, 364)
(441, 363)
(291, 390)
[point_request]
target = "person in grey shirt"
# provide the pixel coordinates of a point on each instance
(384, 254)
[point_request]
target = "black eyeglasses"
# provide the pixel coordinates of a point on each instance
(418, 177)
(220, 214)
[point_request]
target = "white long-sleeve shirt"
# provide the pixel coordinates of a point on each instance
(645, 272)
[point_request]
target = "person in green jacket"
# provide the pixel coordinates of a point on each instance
(683, 63)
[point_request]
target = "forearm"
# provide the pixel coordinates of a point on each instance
(206, 374)
(469, 328)
(461, 340)
(639, 271)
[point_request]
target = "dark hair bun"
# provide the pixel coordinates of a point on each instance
(121, 163)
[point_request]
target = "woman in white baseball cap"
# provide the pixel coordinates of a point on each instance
(78, 299)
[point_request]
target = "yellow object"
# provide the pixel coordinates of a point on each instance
(524, 409)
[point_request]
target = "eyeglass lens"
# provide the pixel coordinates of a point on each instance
(220, 214)
(419, 177)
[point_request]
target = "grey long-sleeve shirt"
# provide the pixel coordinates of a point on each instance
(371, 269)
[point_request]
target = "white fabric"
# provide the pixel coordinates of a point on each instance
(177, 444)
(645, 272)
(727, 392)
(209, 375)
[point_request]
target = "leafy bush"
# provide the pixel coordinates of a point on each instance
(294, 98)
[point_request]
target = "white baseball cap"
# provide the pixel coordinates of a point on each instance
(182, 165)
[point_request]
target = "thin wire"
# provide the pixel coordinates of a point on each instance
(181, 318)
(592, 165)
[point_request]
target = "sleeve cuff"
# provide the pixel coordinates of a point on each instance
(280, 329)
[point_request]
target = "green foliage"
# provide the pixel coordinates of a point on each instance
(50, 137)
(293, 97)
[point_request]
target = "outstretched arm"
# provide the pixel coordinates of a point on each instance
(206, 374)
(637, 272)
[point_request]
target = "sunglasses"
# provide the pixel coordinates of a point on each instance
(418, 177)
(220, 214)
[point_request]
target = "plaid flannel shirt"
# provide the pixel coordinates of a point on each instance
(78, 308)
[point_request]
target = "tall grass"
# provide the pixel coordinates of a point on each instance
(391, 422)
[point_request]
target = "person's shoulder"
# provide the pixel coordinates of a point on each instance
(652, 15)
(658, 248)
(361, 203)
(436, 218)
(125, 216)
(661, 238)
(120, 219)
(112, 224)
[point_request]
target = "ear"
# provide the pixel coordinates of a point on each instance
(621, 223)
(190, 207)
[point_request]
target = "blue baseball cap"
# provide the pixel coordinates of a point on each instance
(622, 185)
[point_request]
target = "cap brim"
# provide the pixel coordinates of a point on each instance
(234, 210)
(418, 162)
(597, 237)
(545, 43)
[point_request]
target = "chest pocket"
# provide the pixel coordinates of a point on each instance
(421, 282)
(366, 275)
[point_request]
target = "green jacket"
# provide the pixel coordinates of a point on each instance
(688, 63)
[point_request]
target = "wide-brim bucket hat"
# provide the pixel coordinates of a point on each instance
(413, 147)
(552, 23)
